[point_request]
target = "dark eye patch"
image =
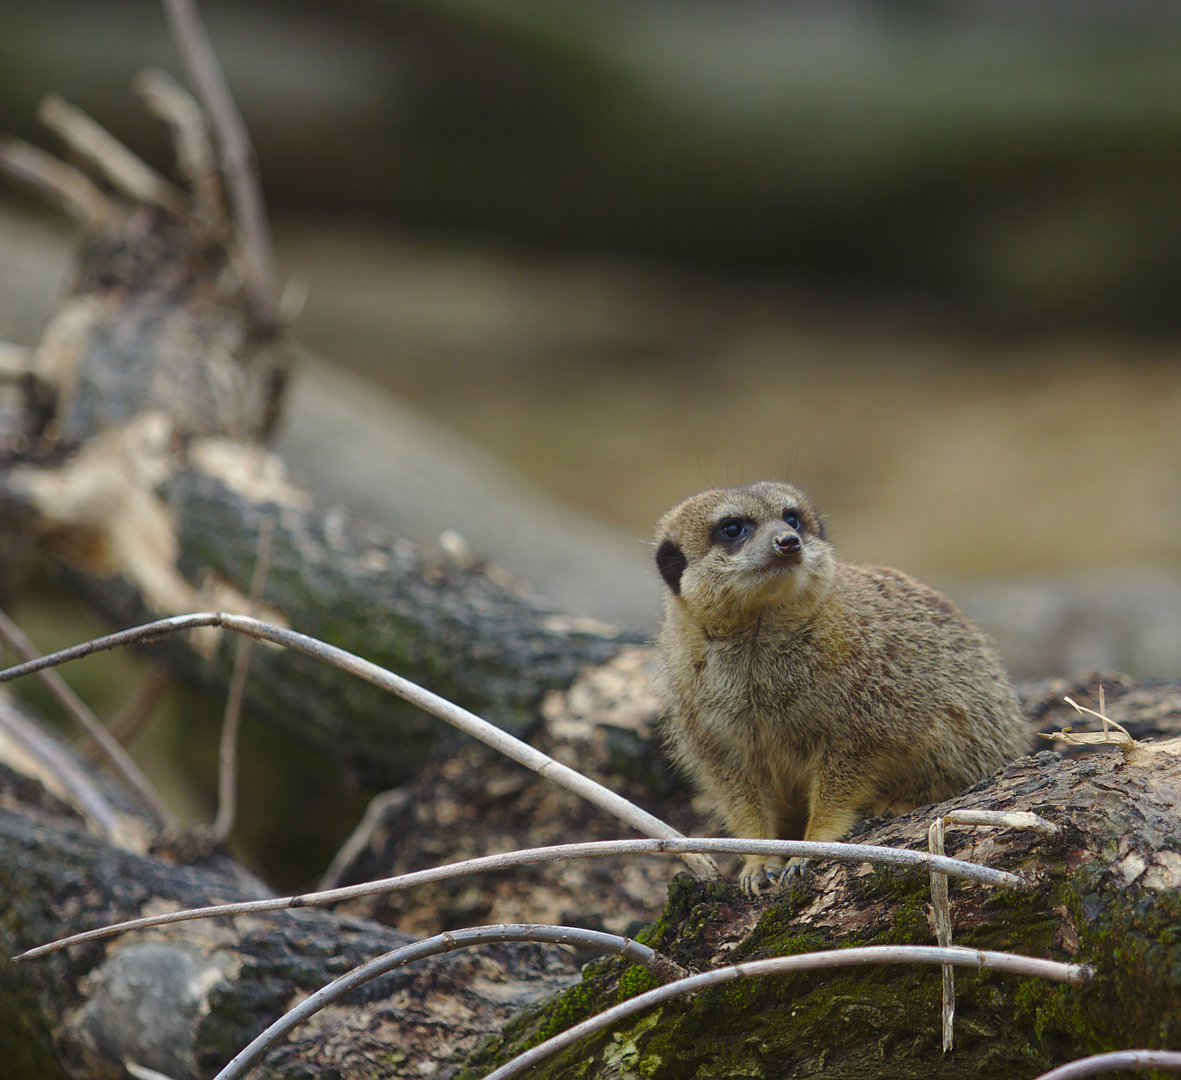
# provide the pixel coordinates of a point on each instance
(793, 519)
(671, 562)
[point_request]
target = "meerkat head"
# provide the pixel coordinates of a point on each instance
(728, 554)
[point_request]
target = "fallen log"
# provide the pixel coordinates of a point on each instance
(1102, 893)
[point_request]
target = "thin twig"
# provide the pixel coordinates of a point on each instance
(125, 170)
(68, 187)
(238, 162)
(599, 849)
(660, 966)
(781, 965)
(166, 99)
(361, 836)
(465, 721)
(81, 714)
(76, 786)
(1118, 1060)
(1101, 715)
(125, 724)
(227, 754)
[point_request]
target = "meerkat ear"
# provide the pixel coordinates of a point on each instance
(671, 562)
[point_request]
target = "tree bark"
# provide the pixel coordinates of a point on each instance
(1106, 895)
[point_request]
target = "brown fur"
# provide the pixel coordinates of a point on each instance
(809, 693)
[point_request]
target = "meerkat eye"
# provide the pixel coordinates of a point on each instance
(790, 517)
(730, 530)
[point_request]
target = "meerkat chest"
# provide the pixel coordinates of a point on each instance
(759, 688)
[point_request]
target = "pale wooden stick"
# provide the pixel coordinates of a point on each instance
(64, 185)
(1009, 819)
(238, 162)
(597, 849)
(941, 908)
(128, 172)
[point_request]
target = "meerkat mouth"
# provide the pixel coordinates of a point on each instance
(775, 562)
(772, 579)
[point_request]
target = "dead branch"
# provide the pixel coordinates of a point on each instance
(465, 721)
(126, 171)
(195, 158)
(62, 184)
(238, 161)
(81, 714)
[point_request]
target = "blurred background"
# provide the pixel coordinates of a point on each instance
(921, 257)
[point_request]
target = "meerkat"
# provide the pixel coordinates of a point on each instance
(809, 693)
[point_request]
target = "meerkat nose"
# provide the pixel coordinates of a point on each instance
(786, 543)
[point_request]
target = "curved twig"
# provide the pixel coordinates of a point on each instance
(590, 850)
(82, 715)
(660, 966)
(227, 752)
(1121, 1060)
(781, 965)
(465, 721)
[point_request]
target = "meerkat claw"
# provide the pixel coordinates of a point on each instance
(759, 877)
(752, 884)
(795, 870)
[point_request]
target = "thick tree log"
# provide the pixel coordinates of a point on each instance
(1105, 894)
(184, 999)
(136, 465)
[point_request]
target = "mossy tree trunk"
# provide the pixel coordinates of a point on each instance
(1106, 895)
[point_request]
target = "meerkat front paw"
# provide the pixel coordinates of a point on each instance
(760, 874)
(796, 870)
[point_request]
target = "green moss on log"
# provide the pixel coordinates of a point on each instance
(854, 1022)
